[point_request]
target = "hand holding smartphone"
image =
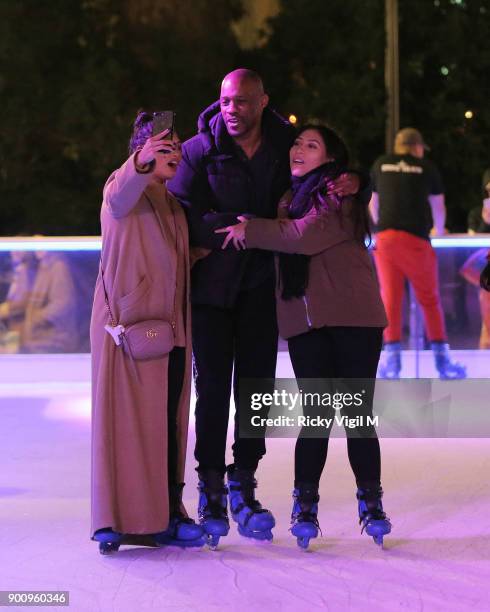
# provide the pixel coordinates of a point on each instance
(162, 121)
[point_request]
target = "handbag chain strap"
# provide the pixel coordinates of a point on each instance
(160, 223)
(106, 296)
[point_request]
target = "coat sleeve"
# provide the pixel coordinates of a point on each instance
(123, 189)
(312, 234)
(191, 187)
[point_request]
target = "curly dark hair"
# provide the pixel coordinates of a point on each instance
(142, 130)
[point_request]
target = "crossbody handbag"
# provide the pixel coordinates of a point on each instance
(147, 339)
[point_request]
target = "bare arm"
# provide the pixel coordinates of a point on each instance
(438, 208)
(374, 208)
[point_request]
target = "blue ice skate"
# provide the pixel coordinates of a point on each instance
(392, 365)
(371, 515)
(182, 531)
(109, 540)
(212, 510)
(304, 516)
(448, 370)
(253, 520)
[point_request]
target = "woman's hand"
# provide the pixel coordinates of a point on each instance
(235, 233)
(154, 144)
(346, 184)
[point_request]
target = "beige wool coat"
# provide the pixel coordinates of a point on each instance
(143, 266)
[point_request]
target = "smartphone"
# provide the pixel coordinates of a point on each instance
(162, 121)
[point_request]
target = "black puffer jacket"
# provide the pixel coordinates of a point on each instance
(214, 185)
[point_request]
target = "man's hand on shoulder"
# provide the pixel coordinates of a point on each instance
(347, 183)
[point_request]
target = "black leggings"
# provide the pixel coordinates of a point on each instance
(176, 370)
(337, 352)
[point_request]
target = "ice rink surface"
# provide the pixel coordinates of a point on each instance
(436, 494)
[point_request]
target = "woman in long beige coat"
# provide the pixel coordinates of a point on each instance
(141, 407)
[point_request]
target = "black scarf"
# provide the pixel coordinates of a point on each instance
(307, 189)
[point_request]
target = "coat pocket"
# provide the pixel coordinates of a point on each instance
(131, 298)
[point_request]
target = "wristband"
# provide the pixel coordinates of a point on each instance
(144, 169)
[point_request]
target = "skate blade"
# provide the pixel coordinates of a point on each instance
(212, 541)
(379, 541)
(108, 548)
(304, 544)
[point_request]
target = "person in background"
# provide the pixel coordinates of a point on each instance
(407, 201)
(479, 218)
(12, 310)
(486, 183)
(51, 324)
(479, 222)
(485, 275)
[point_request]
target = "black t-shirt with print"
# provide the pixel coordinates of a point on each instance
(403, 184)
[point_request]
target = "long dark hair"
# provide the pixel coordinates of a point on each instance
(311, 190)
(338, 150)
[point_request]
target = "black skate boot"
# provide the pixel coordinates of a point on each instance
(182, 531)
(304, 517)
(253, 520)
(212, 510)
(371, 515)
(109, 540)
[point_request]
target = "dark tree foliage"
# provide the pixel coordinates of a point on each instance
(325, 60)
(73, 74)
(444, 68)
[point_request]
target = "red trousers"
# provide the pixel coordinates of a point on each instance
(399, 256)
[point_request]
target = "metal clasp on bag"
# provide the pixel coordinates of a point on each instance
(116, 332)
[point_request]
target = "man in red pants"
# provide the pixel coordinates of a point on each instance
(407, 201)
